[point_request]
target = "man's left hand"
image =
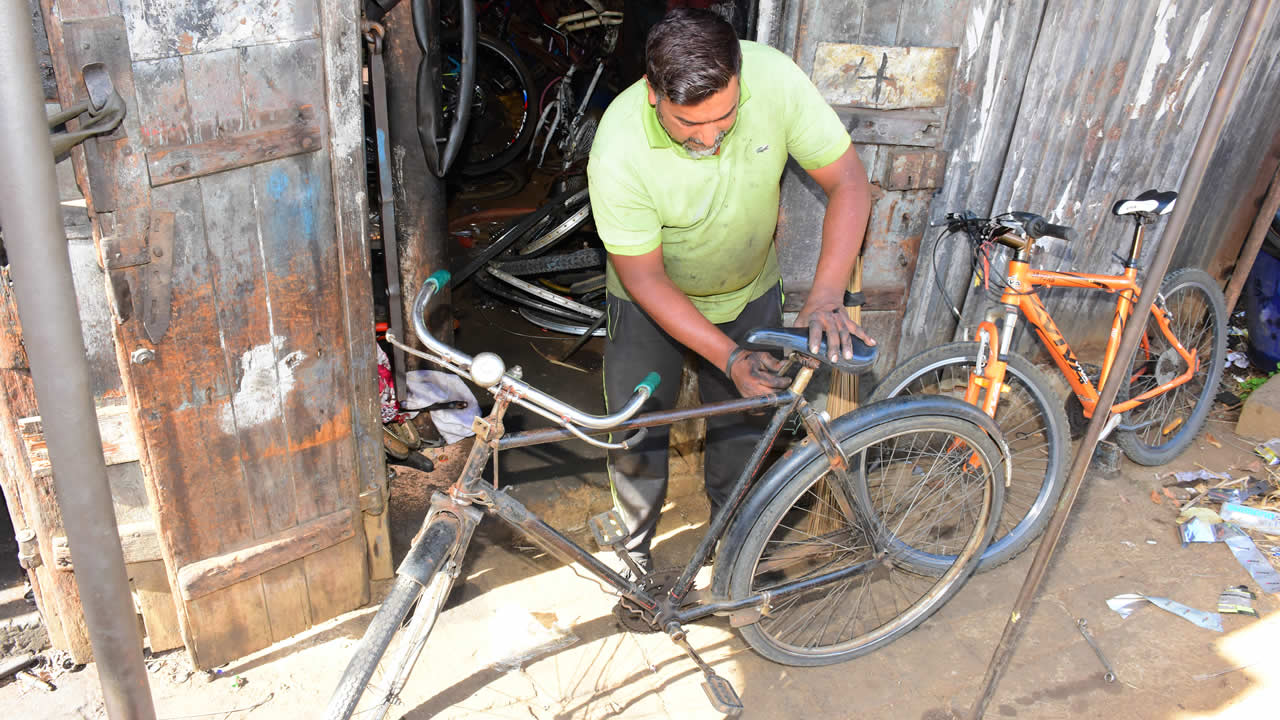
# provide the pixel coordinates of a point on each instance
(826, 317)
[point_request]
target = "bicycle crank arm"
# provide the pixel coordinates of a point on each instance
(719, 691)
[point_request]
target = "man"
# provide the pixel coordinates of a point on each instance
(684, 179)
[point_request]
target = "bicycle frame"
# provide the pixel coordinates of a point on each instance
(1020, 295)
(668, 608)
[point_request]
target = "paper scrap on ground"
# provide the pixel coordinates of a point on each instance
(1125, 605)
(1200, 530)
(427, 387)
(1260, 569)
(1237, 600)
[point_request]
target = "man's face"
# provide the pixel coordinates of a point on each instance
(700, 127)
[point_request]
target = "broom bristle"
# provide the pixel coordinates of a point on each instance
(842, 398)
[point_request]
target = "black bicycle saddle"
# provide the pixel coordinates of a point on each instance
(795, 339)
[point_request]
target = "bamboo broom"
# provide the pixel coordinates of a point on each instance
(842, 398)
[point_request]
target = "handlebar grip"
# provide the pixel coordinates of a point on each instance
(440, 278)
(1038, 227)
(1062, 232)
(650, 381)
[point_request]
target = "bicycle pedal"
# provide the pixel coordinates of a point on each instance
(608, 528)
(722, 695)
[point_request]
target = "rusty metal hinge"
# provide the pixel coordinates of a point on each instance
(138, 258)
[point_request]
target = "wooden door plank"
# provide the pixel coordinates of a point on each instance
(185, 162)
(186, 396)
(155, 602)
(115, 425)
(245, 326)
(344, 78)
(214, 573)
(235, 623)
(336, 579)
(215, 95)
(164, 114)
(301, 250)
(139, 542)
(288, 607)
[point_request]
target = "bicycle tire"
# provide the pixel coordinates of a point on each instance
(513, 232)
(358, 688)
(793, 519)
(501, 76)
(585, 259)
(1172, 419)
(1034, 425)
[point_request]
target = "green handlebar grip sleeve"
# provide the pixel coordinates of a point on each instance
(441, 278)
(650, 381)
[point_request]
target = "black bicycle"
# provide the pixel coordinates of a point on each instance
(850, 540)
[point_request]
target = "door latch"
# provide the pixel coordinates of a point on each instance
(99, 115)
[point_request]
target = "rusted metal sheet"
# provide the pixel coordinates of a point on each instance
(918, 126)
(913, 169)
(163, 28)
(1116, 95)
(883, 77)
(1242, 166)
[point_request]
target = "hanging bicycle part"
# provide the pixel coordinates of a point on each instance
(373, 34)
(99, 115)
(431, 106)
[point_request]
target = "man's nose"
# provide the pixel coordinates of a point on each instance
(706, 135)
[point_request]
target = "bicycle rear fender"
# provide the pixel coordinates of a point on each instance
(802, 454)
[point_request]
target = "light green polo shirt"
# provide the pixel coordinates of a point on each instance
(713, 217)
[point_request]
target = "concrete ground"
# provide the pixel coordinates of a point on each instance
(526, 637)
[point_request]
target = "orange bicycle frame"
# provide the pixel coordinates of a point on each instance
(1020, 295)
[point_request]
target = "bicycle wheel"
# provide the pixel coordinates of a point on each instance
(385, 656)
(1167, 423)
(502, 120)
(922, 494)
(1034, 425)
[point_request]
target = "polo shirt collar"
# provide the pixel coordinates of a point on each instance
(657, 135)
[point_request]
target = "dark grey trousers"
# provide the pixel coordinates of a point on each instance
(639, 476)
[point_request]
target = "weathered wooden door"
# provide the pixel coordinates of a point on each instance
(228, 212)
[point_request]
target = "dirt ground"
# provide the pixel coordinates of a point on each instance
(526, 637)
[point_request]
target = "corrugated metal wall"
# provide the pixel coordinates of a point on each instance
(1062, 107)
(1115, 97)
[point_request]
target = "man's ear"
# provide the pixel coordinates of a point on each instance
(653, 96)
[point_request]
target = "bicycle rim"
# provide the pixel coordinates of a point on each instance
(1168, 422)
(926, 494)
(501, 123)
(1034, 427)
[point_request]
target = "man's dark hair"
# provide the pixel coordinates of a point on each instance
(691, 54)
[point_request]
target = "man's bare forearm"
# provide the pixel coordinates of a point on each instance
(672, 310)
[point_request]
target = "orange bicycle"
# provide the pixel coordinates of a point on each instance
(1173, 377)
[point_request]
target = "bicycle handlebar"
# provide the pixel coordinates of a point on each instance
(1037, 227)
(489, 374)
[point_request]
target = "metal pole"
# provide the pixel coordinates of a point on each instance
(41, 268)
(1208, 140)
(1253, 245)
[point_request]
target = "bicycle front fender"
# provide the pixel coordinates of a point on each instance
(802, 454)
(446, 531)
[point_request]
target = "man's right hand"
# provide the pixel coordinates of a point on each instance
(756, 373)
